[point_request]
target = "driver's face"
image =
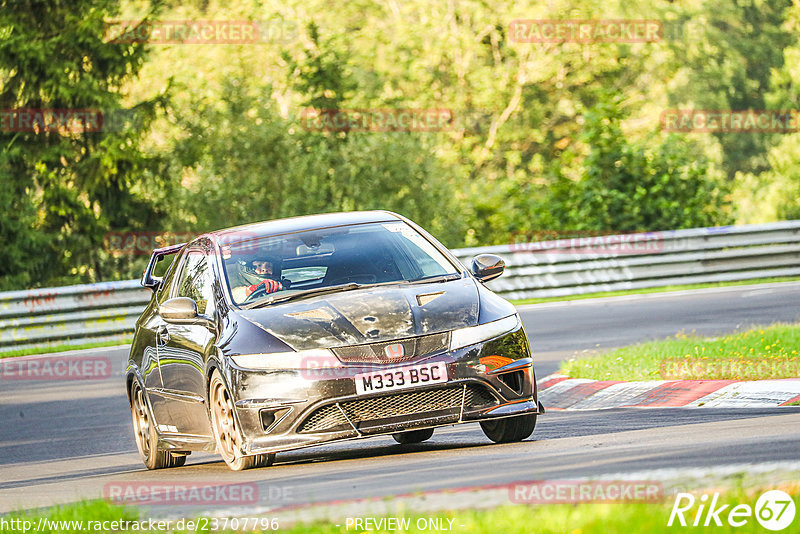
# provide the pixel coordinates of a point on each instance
(262, 267)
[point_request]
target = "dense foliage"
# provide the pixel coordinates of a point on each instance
(562, 136)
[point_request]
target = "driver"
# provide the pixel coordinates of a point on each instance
(256, 274)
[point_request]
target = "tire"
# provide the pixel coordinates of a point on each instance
(226, 429)
(145, 434)
(413, 436)
(509, 429)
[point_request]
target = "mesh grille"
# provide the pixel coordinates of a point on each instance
(412, 348)
(329, 418)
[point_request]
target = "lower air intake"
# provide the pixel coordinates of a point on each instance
(330, 418)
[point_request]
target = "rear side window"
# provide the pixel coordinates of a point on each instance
(163, 266)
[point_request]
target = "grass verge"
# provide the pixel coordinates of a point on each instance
(585, 518)
(649, 290)
(757, 354)
(64, 347)
(66, 518)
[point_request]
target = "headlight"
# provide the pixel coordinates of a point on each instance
(302, 359)
(465, 337)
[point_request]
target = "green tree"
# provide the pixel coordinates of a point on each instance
(727, 59)
(63, 189)
(631, 186)
(244, 163)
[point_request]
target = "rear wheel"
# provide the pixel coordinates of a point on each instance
(413, 436)
(145, 432)
(509, 429)
(226, 429)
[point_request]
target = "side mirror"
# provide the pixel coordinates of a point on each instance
(178, 309)
(487, 267)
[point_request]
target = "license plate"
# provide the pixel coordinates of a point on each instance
(401, 378)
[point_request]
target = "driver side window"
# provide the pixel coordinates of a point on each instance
(167, 285)
(196, 282)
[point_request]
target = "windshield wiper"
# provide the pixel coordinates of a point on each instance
(436, 279)
(303, 293)
(345, 287)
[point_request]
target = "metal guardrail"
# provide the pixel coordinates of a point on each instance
(655, 259)
(104, 312)
(70, 315)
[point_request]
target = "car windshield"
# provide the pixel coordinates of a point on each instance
(266, 270)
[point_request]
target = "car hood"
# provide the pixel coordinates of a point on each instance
(370, 315)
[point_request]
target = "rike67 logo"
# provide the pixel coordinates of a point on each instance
(774, 510)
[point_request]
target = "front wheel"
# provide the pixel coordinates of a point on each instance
(226, 429)
(509, 429)
(145, 432)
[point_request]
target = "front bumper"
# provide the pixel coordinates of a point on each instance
(286, 409)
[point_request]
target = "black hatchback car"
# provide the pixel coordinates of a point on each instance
(295, 332)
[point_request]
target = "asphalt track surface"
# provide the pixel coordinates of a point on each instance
(61, 441)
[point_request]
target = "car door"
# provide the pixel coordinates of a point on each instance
(184, 347)
(150, 334)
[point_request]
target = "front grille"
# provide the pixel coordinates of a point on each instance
(412, 348)
(330, 418)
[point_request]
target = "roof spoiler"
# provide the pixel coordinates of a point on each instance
(154, 282)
